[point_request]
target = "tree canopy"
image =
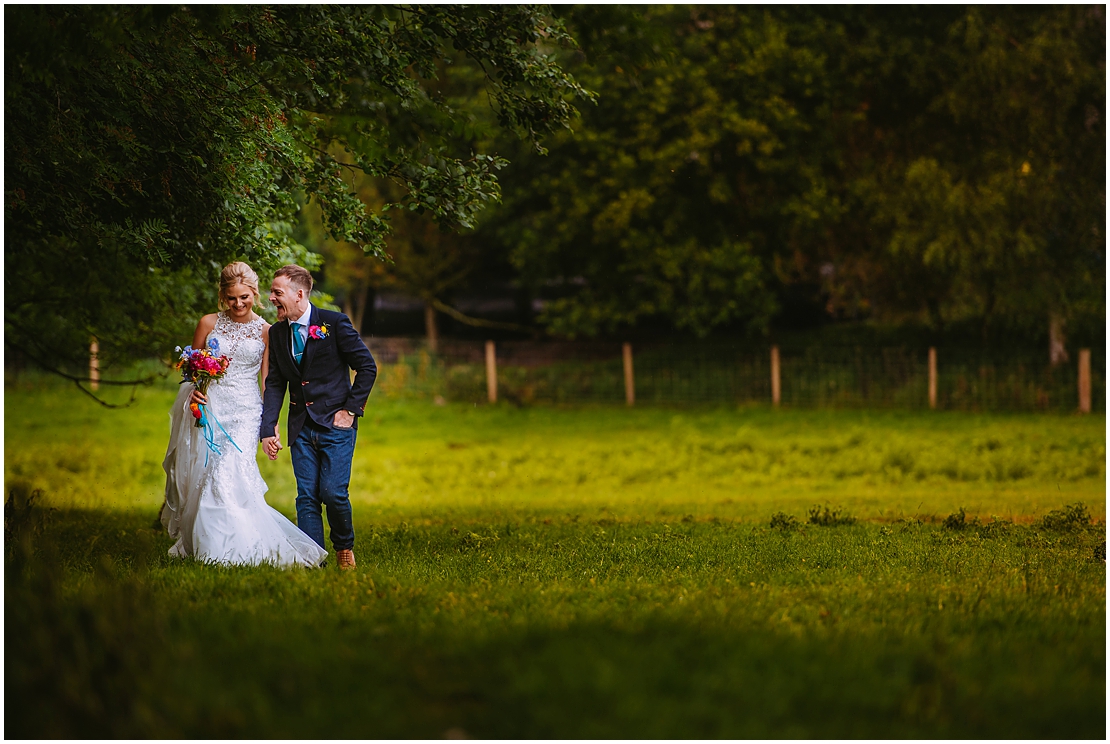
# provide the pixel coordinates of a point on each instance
(146, 146)
(943, 163)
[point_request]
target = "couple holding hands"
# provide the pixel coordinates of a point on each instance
(215, 504)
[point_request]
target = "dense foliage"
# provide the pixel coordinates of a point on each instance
(743, 168)
(146, 146)
(946, 164)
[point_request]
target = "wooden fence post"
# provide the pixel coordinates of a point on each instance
(430, 328)
(629, 379)
(94, 365)
(1084, 380)
(491, 371)
(933, 377)
(776, 387)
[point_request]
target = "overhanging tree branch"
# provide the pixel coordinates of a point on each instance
(479, 322)
(78, 380)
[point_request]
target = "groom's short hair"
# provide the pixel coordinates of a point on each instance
(297, 276)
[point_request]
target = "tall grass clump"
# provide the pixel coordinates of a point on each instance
(829, 517)
(1072, 518)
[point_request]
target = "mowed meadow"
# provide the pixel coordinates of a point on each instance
(586, 572)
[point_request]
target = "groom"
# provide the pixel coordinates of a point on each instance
(311, 351)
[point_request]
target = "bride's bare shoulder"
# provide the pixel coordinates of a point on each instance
(204, 327)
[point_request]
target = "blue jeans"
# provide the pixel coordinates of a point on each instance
(322, 464)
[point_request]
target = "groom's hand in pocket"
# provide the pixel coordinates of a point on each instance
(343, 420)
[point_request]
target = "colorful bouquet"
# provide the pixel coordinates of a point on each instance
(201, 367)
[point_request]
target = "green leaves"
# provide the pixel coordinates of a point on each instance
(176, 136)
(973, 203)
(671, 200)
(943, 163)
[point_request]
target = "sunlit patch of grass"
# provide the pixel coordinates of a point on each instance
(418, 460)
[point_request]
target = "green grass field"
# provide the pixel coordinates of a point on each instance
(595, 572)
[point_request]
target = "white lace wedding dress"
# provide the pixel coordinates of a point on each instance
(217, 511)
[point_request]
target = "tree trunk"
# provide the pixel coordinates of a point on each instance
(354, 307)
(359, 308)
(1057, 353)
(430, 327)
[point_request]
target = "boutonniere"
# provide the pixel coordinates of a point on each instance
(318, 332)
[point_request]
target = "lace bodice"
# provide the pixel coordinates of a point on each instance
(235, 397)
(242, 343)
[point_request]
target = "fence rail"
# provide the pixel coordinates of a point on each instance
(956, 378)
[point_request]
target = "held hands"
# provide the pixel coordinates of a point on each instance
(272, 445)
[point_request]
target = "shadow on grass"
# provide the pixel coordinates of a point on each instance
(106, 637)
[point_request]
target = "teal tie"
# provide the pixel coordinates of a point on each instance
(298, 342)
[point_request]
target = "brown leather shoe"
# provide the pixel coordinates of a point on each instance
(345, 559)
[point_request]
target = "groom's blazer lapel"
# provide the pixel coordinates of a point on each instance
(284, 340)
(309, 342)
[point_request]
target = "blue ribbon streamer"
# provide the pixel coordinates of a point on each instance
(206, 420)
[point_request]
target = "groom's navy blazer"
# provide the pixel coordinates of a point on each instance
(321, 385)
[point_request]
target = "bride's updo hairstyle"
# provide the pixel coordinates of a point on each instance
(237, 273)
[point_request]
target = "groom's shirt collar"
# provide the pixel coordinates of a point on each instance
(303, 320)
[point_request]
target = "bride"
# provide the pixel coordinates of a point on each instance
(215, 505)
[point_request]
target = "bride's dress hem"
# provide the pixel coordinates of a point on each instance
(178, 554)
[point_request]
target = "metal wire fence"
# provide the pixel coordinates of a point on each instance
(968, 379)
